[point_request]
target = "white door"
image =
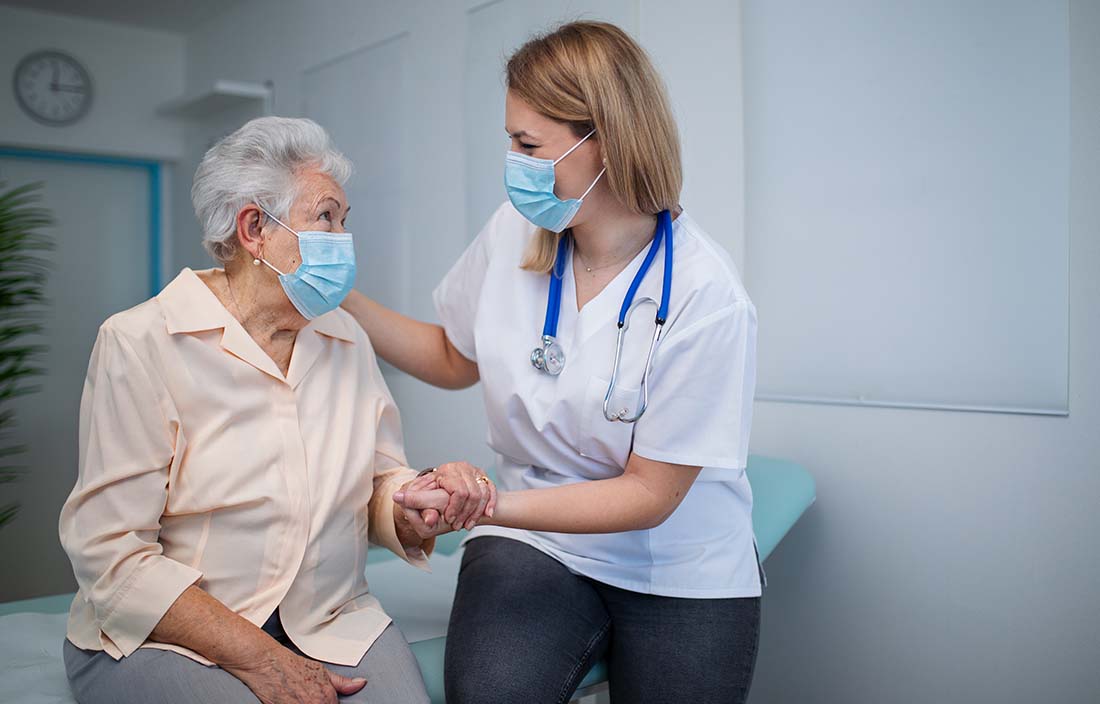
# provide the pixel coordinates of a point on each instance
(101, 265)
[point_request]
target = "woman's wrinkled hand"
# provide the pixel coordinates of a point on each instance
(458, 492)
(278, 676)
(423, 522)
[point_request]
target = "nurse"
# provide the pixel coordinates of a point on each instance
(626, 540)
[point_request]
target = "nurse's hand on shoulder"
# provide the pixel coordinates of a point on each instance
(457, 492)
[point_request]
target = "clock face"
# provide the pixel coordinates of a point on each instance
(53, 88)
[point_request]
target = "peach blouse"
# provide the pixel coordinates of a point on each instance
(200, 463)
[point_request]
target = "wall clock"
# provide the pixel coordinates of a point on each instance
(52, 88)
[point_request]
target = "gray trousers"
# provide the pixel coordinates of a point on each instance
(154, 676)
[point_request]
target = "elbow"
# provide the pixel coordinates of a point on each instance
(450, 382)
(657, 507)
(656, 514)
(72, 541)
(458, 382)
(654, 502)
(461, 374)
(654, 519)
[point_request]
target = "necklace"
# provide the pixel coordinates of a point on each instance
(615, 262)
(590, 269)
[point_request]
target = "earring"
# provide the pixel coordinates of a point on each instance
(255, 262)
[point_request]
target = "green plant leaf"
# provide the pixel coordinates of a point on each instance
(23, 277)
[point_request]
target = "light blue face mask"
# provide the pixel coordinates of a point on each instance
(530, 185)
(326, 274)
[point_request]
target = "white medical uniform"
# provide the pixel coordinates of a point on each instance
(549, 431)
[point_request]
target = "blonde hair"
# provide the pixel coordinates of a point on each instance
(592, 75)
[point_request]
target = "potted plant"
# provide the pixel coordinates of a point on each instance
(23, 272)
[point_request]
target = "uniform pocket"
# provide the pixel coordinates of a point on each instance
(605, 441)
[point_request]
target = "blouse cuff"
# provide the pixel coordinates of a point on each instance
(142, 600)
(385, 532)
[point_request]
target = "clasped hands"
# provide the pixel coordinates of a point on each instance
(455, 495)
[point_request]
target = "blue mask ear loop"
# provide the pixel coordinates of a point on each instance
(575, 146)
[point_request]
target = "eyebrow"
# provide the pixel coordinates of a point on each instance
(519, 133)
(326, 199)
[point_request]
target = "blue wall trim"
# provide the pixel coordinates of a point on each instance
(152, 171)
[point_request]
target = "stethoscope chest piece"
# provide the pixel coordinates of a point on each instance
(549, 358)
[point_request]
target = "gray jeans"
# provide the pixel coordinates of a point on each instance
(154, 676)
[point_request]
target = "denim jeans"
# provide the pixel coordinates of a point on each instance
(525, 630)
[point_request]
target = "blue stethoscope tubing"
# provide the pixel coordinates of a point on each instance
(540, 356)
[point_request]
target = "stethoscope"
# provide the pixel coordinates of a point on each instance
(550, 357)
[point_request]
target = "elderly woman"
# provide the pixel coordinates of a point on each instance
(238, 449)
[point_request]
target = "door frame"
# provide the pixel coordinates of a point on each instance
(152, 170)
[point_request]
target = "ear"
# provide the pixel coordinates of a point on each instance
(250, 221)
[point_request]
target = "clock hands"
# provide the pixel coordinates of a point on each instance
(57, 86)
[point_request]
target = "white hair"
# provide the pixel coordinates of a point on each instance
(258, 164)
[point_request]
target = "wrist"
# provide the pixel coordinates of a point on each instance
(500, 511)
(407, 536)
(258, 652)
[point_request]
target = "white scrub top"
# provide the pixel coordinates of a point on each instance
(550, 431)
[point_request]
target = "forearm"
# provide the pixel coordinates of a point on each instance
(417, 348)
(644, 496)
(624, 503)
(201, 623)
(272, 672)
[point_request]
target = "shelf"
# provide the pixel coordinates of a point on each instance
(223, 95)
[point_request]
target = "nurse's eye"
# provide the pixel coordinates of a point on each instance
(528, 146)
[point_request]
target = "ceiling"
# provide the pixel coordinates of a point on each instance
(165, 15)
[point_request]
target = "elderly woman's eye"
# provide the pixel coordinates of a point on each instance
(327, 215)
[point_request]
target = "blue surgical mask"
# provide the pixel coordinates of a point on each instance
(530, 185)
(326, 274)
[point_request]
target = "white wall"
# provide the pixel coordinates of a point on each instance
(952, 557)
(931, 214)
(697, 48)
(133, 71)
